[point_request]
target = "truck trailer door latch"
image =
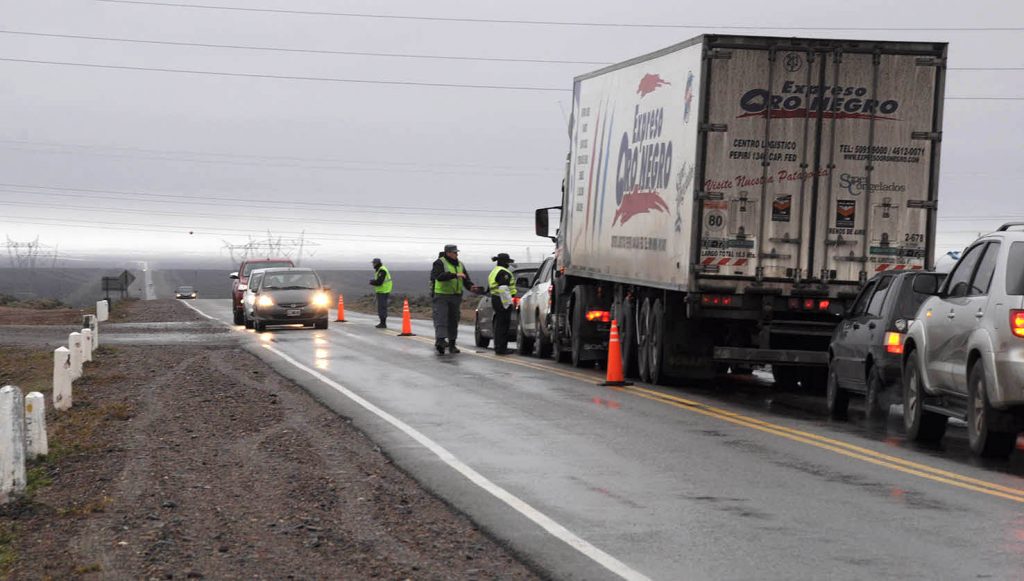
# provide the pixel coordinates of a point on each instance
(923, 204)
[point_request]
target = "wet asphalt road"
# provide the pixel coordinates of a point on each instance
(726, 480)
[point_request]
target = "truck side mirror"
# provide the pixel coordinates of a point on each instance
(233, 275)
(541, 222)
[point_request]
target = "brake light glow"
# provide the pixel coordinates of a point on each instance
(602, 316)
(824, 305)
(1017, 322)
(809, 304)
(716, 300)
(515, 301)
(894, 343)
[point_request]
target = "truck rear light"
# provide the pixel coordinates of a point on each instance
(894, 343)
(602, 316)
(809, 304)
(1017, 322)
(824, 305)
(717, 300)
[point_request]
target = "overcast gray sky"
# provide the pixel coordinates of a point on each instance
(101, 159)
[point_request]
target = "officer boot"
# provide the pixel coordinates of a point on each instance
(439, 345)
(452, 348)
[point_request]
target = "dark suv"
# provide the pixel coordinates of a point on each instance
(240, 281)
(866, 353)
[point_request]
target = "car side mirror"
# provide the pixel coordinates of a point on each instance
(541, 222)
(233, 275)
(926, 285)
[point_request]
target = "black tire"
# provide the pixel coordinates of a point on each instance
(921, 425)
(873, 407)
(239, 317)
(576, 341)
(321, 324)
(259, 327)
(524, 344)
(989, 432)
(481, 341)
(656, 342)
(837, 398)
(246, 321)
(643, 340)
(627, 336)
(785, 376)
(544, 344)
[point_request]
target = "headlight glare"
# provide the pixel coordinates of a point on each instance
(321, 300)
(264, 301)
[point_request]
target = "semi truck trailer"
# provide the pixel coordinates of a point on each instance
(725, 199)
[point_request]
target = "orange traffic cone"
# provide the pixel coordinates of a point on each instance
(341, 309)
(615, 376)
(406, 320)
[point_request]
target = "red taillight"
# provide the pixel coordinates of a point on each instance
(602, 316)
(1017, 322)
(716, 300)
(894, 343)
(808, 304)
(515, 301)
(824, 305)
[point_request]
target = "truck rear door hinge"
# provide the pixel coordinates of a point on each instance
(923, 204)
(786, 239)
(713, 127)
(710, 196)
(839, 241)
(930, 61)
(775, 255)
(719, 53)
(926, 135)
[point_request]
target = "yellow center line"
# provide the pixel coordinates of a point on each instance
(837, 446)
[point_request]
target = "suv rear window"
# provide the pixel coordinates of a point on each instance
(250, 266)
(1015, 270)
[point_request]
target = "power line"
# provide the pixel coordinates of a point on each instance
(302, 220)
(236, 202)
(370, 54)
(557, 22)
(360, 81)
(290, 77)
(221, 231)
(308, 50)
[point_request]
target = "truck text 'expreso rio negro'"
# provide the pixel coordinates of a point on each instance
(725, 199)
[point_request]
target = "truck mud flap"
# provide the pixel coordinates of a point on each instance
(787, 356)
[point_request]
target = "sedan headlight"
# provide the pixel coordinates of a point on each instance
(264, 301)
(321, 300)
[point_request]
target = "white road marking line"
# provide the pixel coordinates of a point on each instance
(520, 506)
(201, 313)
(540, 519)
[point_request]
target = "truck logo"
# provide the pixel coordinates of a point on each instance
(796, 100)
(650, 83)
(688, 97)
(793, 62)
(637, 202)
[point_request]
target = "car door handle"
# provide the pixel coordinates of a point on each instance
(979, 314)
(951, 315)
(872, 325)
(856, 326)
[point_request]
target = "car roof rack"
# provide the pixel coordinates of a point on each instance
(1009, 225)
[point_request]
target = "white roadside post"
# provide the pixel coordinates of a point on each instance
(90, 322)
(86, 345)
(102, 310)
(75, 347)
(12, 443)
(61, 378)
(36, 444)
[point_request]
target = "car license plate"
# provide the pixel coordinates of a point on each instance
(293, 312)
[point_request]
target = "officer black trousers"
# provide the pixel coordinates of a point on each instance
(502, 319)
(382, 307)
(447, 310)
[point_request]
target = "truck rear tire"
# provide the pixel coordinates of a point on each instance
(643, 340)
(577, 334)
(656, 342)
(627, 336)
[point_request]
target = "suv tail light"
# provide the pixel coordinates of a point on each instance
(602, 316)
(1017, 322)
(893, 343)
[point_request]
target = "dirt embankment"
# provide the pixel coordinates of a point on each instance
(187, 461)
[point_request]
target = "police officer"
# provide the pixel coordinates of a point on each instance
(382, 287)
(501, 300)
(450, 279)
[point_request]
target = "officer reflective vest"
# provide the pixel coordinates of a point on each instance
(492, 280)
(385, 287)
(452, 286)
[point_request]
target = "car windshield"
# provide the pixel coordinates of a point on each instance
(254, 265)
(184, 289)
(290, 281)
